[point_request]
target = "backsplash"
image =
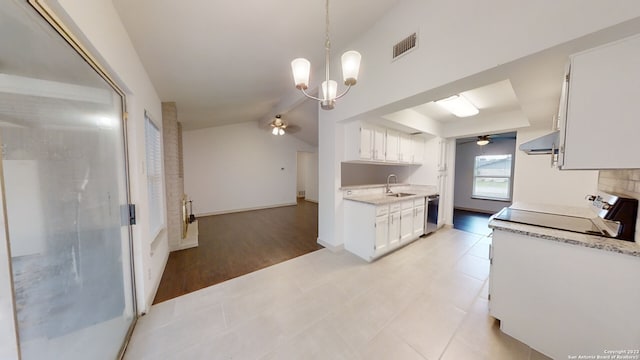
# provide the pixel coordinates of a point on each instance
(624, 182)
(366, 174)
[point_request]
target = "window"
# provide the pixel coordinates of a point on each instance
(492, 177)
(154, 176)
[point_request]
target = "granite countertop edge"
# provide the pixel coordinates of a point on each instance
(590, 241)
(383, 199)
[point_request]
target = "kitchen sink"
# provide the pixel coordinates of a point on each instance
(400, 194)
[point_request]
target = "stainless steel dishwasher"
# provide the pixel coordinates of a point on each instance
(431, 218)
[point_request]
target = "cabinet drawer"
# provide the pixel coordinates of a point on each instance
(382, 210)
(395, 207)
(419, 202)
(407, 204)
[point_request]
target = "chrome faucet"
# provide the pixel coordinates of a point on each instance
(388, 179)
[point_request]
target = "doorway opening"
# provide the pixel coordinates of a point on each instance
(307, 176)
(483, 179)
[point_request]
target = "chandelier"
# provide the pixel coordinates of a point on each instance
(350, 67)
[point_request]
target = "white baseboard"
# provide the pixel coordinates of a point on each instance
(221, 212)
(156, 285)
(330, 247)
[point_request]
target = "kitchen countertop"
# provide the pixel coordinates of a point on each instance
(382, 198)
(568, 237)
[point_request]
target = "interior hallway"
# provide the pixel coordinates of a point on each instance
(231, 245)
(428, 300)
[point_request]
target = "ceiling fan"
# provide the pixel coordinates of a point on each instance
(483, 140)
(280, 127)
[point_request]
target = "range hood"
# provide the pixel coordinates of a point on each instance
(541, 145)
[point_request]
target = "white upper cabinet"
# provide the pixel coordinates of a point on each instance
(372, 143)
(379, 143)
(418, 149)
(406, 149)
(393, 146)
(366, 150)
(602, 125)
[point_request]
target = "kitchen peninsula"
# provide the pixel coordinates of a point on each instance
(564, 293)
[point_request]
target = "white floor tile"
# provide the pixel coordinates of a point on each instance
(423, 301)
(428, 325)
(386, 345)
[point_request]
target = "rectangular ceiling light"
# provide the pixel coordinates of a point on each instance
(458, 105)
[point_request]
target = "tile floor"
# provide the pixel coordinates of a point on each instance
(427, 300)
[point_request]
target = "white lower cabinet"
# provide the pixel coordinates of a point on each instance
(564, 300)
(406, 221)
(394, 228)
(418, 219)
(382, 234)
(372, 231)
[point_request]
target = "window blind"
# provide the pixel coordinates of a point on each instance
(153, 147)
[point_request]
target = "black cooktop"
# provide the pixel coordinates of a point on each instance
(551, 221)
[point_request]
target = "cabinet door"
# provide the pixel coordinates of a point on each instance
(394, 229)
(379, 142)
(382, 234)
(366, 142)
(418, 221)
(406, 149)
(418, 149)
(393, 145)
(602, 116)
(406, 225)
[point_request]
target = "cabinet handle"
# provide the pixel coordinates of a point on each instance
(553, 155)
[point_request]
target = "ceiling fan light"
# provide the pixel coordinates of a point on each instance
(350, 67)
(280, 131)
(483, 140)
(301, 68)
(274, 131)
(458, 105)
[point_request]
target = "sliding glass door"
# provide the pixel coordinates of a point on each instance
(65, 194)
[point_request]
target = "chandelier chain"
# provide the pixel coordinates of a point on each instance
(327, 43)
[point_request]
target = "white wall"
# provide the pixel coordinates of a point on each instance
(98, 26)
(308, 175)
(301, 169)
(479, 37)
(537, 182)
(239, 167)
(312, 177)
(465, 159)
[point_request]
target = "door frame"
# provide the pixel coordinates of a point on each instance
(49, 15)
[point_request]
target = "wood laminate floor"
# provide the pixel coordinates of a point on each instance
(231, 245)
(471, 221)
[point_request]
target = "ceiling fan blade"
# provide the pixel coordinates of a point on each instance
(292, 129)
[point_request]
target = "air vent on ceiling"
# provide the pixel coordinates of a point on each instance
(405, 45)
